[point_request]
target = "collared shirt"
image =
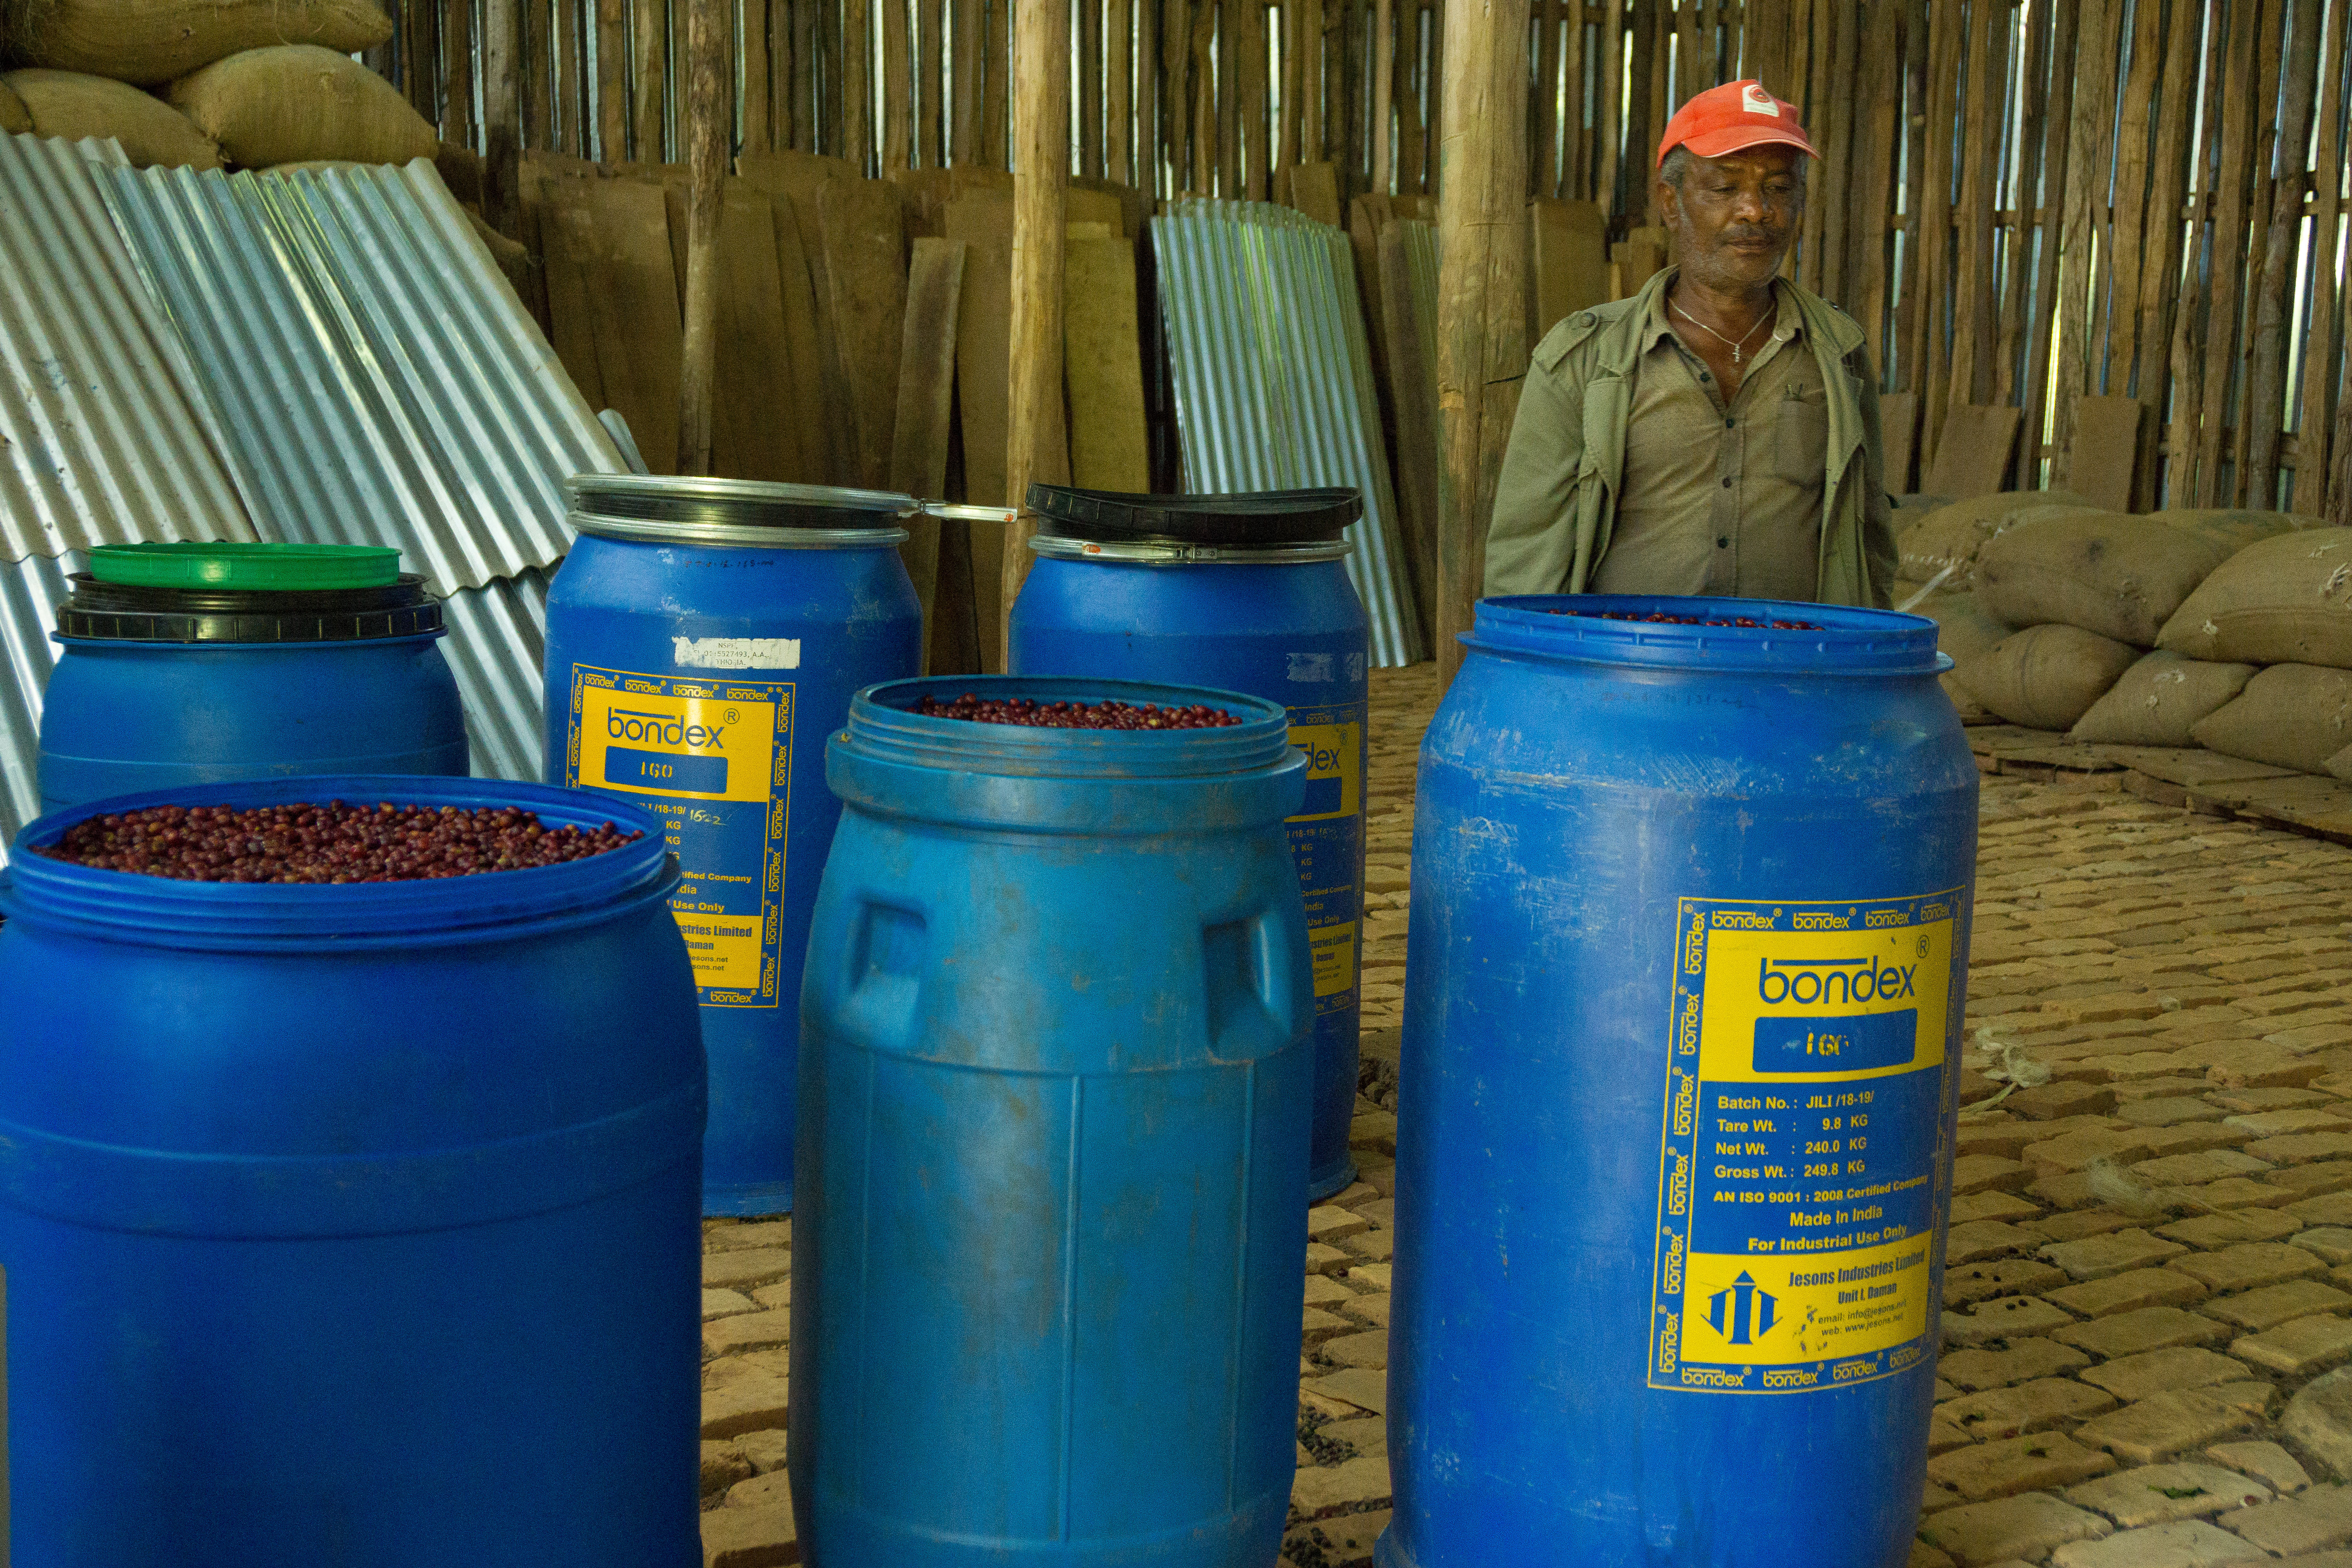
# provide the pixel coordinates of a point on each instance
(1721, 499)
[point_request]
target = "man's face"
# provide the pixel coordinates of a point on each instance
(1734, 217)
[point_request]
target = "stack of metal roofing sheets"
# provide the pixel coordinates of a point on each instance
(1274, 379)
(328, 356)
(105, 436)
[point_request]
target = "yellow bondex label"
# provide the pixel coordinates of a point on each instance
(713, 758)
(1327, 843)
(1802, 1133)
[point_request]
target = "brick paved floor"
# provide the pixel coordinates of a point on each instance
(2151, 1247)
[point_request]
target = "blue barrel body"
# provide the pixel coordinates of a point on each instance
(700, 680)
(350, 1225)
(1685, 988)
(1293, 634)
(1054, 1061)
(123, 717)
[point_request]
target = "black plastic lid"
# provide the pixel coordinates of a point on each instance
(121, 612)
(1267, 519)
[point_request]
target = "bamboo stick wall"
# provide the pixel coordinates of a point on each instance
(2026, 203)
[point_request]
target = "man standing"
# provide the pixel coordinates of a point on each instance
(1718, 433)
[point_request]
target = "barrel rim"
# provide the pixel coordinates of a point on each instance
(127, 906)
(1849, 641)
(1176, 552)
(881, 727)
(662, 509)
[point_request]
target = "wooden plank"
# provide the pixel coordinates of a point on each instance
(2261, 412)
(2132, 215)
(1608, 178)
(538, 41)
(897, 81)
(1315, 191)
(2024, 177)
(1252, 110)
(995, 135)
(866, 280)
(1576, 145)
(805, 109)
(930, 82)
(982, 220)
(1635, 200)
(1876, 127)
(1384, 65)
(2065, 25)
(1686, 80)
(1972, 457)
(1147, 173)
(710, 125)
(2112, 436)
(921, 430)
(808, 398)
(857, 82)
(758, 423)
(1765, 44)
(457, 72)
(1119, 90)
(420, 64)
(1103, 364)
(1037, 444)
(1568, 267)
(1837, 167)
(612, 85)
(502, 193)
(2225, 294)
(1975, 301)
(831, 118)
(1908, 342)
(1088, 88)
(612, 239)
(2160, 289)
(2327, 324)
(1899, 424)
(1481, 318)
(797, 180)
(781, 76)
(1931, 377)
(567, 129)
(1544, 127)
(2192, 318)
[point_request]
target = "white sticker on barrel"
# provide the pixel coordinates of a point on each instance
(1802, 1133)
(735, 653)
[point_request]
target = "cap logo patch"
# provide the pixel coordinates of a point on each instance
(1756, 100)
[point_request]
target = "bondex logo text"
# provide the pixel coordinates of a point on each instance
(660, 730)
(1840, 980)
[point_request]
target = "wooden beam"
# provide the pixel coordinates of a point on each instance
(857, 84)
(1482, 321)
(1036, 449)
(2264, 407)
(709, 104)
(503, 118)
(2329, 307)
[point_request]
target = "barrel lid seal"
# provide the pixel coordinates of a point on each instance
(667, 509)
(1261, 519)
(122, 612)
(225, 564)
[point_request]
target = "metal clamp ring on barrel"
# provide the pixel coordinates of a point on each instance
(1061, 547)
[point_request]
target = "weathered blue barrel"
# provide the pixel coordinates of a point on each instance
(208, 663)
(1055, 1060)
(1245, 593)
(703, 638)
(1685, 987)
(350, 1225)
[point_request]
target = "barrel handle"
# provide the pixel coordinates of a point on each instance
(1247, 966)
(959, 511)
(882, 970)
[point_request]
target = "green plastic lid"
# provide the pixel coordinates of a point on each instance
(294, 568)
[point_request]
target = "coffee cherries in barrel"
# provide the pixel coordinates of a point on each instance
(338, 841)
(1105, 715)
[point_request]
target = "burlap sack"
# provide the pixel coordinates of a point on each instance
(2290, 716)
(301, 103)
(15, 120)
(2233, 528)
(151, 42)
(2159, 700)
(67, 104)
(1952, 535)
(2107, 571)
(1963, 628)
(2286, 600)
(2046, 678)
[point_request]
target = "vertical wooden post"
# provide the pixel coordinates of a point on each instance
(856, 85)
(709, 129)
(1482, 323)
(502, 118)
(1384, 95)
(1041, 177)
(2262, 407)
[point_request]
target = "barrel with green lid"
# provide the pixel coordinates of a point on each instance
(190, 664)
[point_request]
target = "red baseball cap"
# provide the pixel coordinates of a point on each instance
(1729, 118)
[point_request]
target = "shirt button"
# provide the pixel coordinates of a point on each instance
(1703, 376)
(1723, 544)
(1726, 481)
(1729, 424)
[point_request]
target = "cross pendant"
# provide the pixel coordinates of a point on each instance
(1734, 353)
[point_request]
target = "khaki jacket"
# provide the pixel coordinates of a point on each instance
(1556, 500)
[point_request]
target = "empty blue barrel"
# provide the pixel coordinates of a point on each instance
(1054, 1063)
(207, 663)
(703, 638)
(1684, 987)
(1244, 593)
(350, 1225)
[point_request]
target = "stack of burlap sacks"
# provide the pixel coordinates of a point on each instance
(2229, 630)
(253, 84)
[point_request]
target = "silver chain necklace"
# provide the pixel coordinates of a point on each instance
(1711, 332)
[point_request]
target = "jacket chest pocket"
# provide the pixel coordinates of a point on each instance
(1801, 436)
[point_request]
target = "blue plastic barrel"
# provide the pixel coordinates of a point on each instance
(211, 663)
(1686, 980)
(703, 638)
(1054, 1063)
(1246, 593)
(350, 1225)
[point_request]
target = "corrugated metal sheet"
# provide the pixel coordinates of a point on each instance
(30, 592)
(1274, 379)
(104, 435)
(497, 644)
(377, 379)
